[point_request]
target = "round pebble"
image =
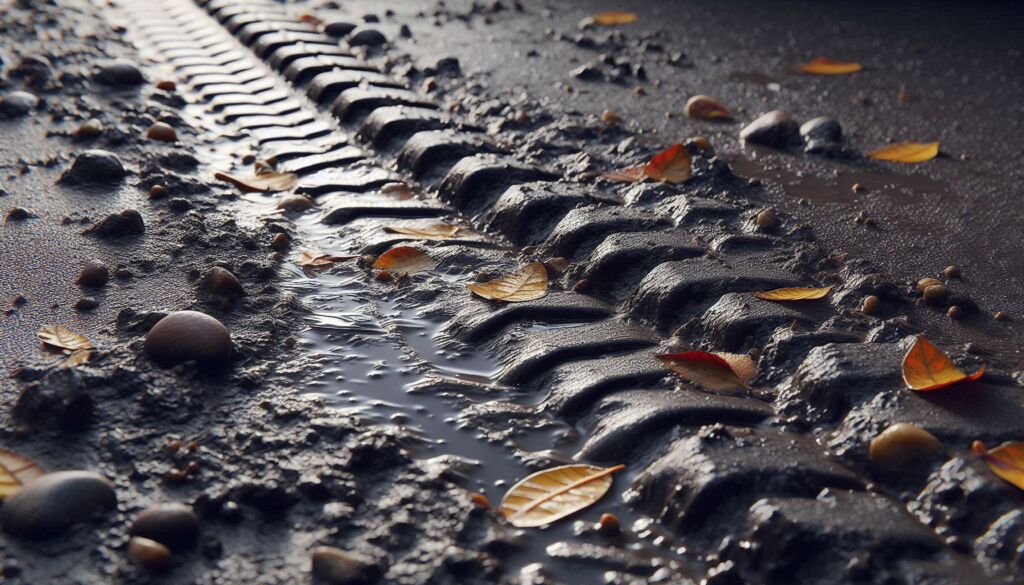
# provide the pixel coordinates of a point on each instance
(95, 166)
(189, 335)
(767, 220)
(955, 312)
(295, 203)
(775, 129)
(126, 223)
(173, 525)
(608, 525)
(48, 506)
(339, 28)
(338, 567)
(936, 294)
(825, 129)
(925, 283)
(162, 132)
(94, 274)
(872, 305)
(900, 446)
(952, 272)
(120, 74)
(150, 554)
(166, 85)
(703, 106)
(366, 37)
(224, 283)
(86, 304)
(157, 192)
(17, 104)
(91, 128)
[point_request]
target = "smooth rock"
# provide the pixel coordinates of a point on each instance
(366, 37)
(775, 129)
(150, 554)
(173, 525)
(338, 567)
(822, 128)
(91, 128)
(339, 28)
(295, 203)
(222, 282)
(95, 166)
(126, 223)
(17, 103)
(189, 335)
(48, 506)
(162, 132)
(94, 274)
(120, 74)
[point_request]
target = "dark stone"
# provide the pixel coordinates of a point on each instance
(173, 525)
(17, 104)
(588, 73)
(120, 74)
(94, 274)
(126, 223)
(821, 135)
(94, 166)
(48, 506)
(189, 335)
(339, 28)
(448, 66)
(86, 304)
(366, 37)
(775, 129)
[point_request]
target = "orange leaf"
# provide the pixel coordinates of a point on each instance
(318, 259)
(671, 165)
(267, 182)
(15, 471)
(404, 259)
(529, 284)
(907, 152)
(722, 372)
(926, 367)
(825, 66)
(1006, 461)
(706, 107)
(610, 18)
(794, 294)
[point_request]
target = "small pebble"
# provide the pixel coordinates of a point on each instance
(95, 166)
(150, 554)
(925, 283)
(120, 74)
(705, 107)
(952, 272)
(611, 117)
(86, 304)
(608, 525)
(1001, 316)
(900, 446)
(51, 504)
(91, 128)
(339, 28)
(189, 335)
(936, 294)
(338, 567)
(366, 37)
(94, 274)
(858, 188)
(222, 282)
(955, 312)
(872, 305)
(480, 501)
(295, 203)
(17, 104)
(157, 192)
(775, 129)
(162, 132)
(173, 525)
(17, 214)
(126, 223)
(280, 242)
(166, 85)
(767, 220)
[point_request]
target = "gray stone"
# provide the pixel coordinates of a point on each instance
(126, 223)
(17, 104)
(48, 506)
(120, 74)
(94, 166)
(775, 129)
(94, 274)
(189, 335)
(366, 37)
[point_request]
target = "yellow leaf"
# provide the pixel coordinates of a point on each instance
(1006, 461)
(529, 284)
(926, 367)
(15, 471)
(825, 66)
(907, 152)
(431, 232)
(609, 18)
(721, 372)
(63, 338)
(267, 182)
(77, 358)
(318, 259)
(404, 259)
(553, 494)
(794, 294)
(706, 107)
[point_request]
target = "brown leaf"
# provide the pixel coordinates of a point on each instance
(404, 259)
(77, 358)
(431, 232)
(396, 190)
(926, 367)
(1006, 461)
(794, 294)
(266, 182)
(529, 284)
(907, 152)
(15, 471)
(63, 338)
(672, 165)
(318, 259)
(609, 18)
(826, 66)
(706, 107)
(553, 494)
(722, 372)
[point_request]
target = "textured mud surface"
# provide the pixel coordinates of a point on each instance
(361, 412)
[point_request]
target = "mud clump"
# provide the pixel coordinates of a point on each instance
(126, 223)
(48, 506)
(189, 336)
(94, 166)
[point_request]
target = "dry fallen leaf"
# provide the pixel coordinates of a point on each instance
(318, 259)
(77, 358)
(404, 259)
(15, 471)
(671, 165)
(706, 107)
(609, 18)
(907, 152)
(530, 283)
(825, 66)
(1006, 461)
(431, 232)
(63, 338)
(722, 372)
(926, 367)
(553, 494)
(267, 182)
(794, 294)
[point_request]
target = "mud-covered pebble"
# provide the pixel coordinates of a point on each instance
(704, 106)
(125, 223)
(335, 566)
(95, 166)
(902, 446)
(189, 335)
(150, 554)
(222, 282)
(162, 132)
(775, 129)
(173, 525)
(295, 203)
(48, 506)
(871, 305)
(936, 294)
(91, 128)
(94, 274)
(121, 74)
(366, 37)
(17, 104)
